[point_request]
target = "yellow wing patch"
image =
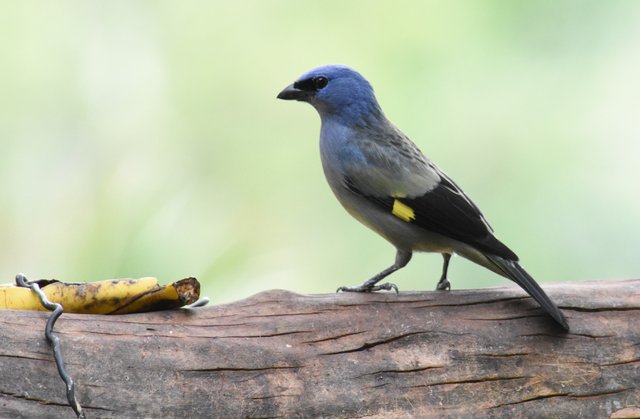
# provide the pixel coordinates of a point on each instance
(403, 211)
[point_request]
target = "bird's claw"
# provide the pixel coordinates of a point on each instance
(443, 285)
(387, 286)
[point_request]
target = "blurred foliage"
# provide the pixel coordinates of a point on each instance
(144, 138)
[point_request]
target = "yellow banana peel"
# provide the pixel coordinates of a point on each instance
(113, 296)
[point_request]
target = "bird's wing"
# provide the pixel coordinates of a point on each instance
(416, 191)
(389, 163)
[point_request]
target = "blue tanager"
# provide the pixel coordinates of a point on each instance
(384, 181)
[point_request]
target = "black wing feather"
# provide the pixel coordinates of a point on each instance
(447, 210)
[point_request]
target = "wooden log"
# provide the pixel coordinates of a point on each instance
(486, 353)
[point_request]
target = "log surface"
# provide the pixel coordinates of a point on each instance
(486, 353)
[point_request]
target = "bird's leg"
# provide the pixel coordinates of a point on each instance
(402, 258)
(444, 284)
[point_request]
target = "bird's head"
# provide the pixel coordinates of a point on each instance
(335, 91)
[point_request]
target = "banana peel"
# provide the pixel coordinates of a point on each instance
(113, 296)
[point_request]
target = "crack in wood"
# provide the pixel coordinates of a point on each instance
(369, 345)
(244, 369)
(402, 371)
(96, 332)
(599, 309)
(613, 364)
(548, 335)
(116, 319)
(497, 319)
(334, 337)
(50, 402)
(190, 336)
(596, 395)
(47, 359)
(216, 325)
(404, 300)
(307, 313)
(591, 336)
(470, 381)
(473, 303)
(530, 399)
(505, 355)
(274, 396)
(348, 305)
(264, 335)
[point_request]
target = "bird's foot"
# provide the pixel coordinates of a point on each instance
(443, 285)
(387, 286)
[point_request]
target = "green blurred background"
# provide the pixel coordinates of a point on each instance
(144, 138)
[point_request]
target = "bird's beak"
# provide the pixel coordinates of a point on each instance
(291, 93)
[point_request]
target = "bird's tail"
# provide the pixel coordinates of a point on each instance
(512, 270)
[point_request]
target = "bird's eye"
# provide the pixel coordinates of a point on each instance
(320, 82)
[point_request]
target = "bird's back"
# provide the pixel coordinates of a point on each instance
(378, 159)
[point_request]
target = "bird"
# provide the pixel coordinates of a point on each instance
(384, 181)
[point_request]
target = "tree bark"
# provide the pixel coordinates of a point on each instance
(486, 353)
